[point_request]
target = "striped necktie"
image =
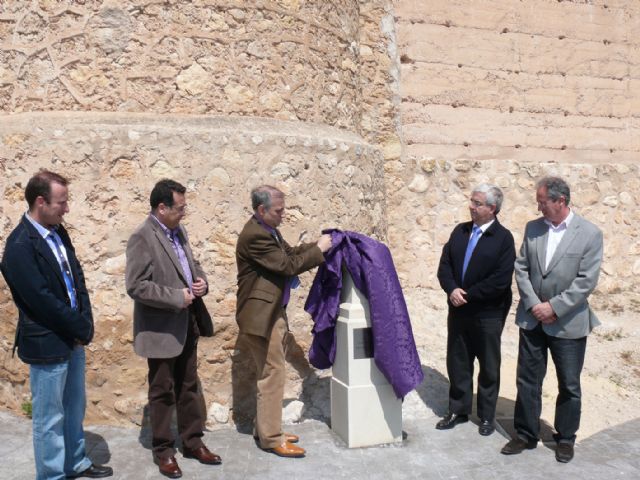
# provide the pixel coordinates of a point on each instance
(66, 272)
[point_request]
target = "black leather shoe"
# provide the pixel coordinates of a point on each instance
(564, 452)
(94, 471)
(451, 420)
(486, 428)
(517, 445)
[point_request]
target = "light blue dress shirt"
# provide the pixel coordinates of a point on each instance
(60, 253)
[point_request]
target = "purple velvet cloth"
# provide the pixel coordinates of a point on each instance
(370, 264)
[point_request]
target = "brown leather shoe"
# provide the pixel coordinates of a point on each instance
(288, 437)
(203, 454)
(168, 467)
(288, 450)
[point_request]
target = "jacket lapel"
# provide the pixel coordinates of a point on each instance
(572, 231)
(187, 251)
(464, 241)
(263, 228)
(279, 239)
(43, 249)
(168, 248)
(541, 245)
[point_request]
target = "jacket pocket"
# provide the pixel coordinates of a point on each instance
(262, 295)
(30, 328)
(38, 344)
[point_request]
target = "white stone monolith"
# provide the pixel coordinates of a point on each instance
(364, 408)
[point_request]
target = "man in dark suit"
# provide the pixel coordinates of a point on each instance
(556, 271)
(54, 323)
(167, 285)
(475, 272)
(267, 269)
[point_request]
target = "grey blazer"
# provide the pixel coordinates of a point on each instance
(567, 283)
(155, 281)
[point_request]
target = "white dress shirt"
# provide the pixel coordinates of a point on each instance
(555, 236)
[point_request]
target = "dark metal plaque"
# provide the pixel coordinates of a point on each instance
(362, 343)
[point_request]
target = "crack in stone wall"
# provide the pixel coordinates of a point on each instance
(290, 60)
(113, 162)
(377, 116)
(219, 94)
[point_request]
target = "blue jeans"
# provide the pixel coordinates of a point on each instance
(568, 357)
(58, 401)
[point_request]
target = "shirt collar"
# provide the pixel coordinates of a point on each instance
(169, 232)
(268, 228)
(42, 230)
(563, 225)
(485, 226)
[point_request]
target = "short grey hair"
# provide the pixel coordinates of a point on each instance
(556, 187)
(492, 193)
(263, 194)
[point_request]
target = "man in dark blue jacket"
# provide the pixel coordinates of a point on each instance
(475, 271)
(54, 323)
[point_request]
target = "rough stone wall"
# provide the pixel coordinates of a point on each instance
(285, 59)
(370, 113)
(505, 92)
(222, 159)
(221, 95)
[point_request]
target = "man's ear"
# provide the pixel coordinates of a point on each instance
(261, 210)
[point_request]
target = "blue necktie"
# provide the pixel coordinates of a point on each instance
(473, 241)
(66, 272)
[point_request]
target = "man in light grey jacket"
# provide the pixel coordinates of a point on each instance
(556, 271)
(167, 285)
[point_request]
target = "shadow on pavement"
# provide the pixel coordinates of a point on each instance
(97, 448)
(434, 391)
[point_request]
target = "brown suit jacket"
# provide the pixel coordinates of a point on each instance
(264, 265)
(155, 281)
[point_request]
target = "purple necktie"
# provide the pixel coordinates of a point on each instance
(177, 247)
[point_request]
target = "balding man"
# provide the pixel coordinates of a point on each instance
(267, 269)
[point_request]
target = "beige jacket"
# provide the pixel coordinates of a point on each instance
(155, 281)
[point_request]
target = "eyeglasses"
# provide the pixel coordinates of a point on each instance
(179, 209)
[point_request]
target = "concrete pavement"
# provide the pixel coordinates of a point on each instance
(425, 453)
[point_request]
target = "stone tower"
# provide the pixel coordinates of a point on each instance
(220, 95)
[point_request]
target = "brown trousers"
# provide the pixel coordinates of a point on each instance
(269, 356)
(173, 382)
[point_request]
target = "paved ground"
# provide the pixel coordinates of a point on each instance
(425, 453)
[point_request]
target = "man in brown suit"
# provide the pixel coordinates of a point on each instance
(267, 269)
(167, 285)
